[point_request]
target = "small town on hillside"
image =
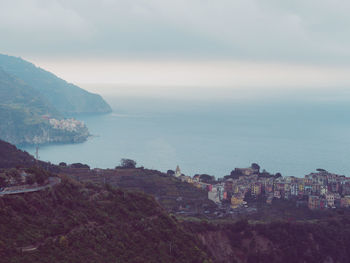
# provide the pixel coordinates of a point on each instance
(71, 124)
(319, 190)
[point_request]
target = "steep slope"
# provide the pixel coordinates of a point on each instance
(321, 241)
(17, 94)
(67, 98)
(20, 126)
(10, 156)
(22, 114)
(169, 191)
(21, 108)
(73, 222)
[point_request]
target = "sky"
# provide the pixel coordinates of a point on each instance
(231, 43)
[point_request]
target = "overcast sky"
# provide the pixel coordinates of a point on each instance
(240, 42)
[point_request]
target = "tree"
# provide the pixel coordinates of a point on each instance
(277, 175)
(170, 172)
(127, 164)
(15, 175)
(3, 180)
(30, 179)
(235, 174)
(40, 178)
(255, 166)
(205, 178)
(79, 165)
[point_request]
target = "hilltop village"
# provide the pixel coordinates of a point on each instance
(71, 125)
(319, 190)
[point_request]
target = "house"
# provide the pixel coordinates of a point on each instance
(337, 199)
(323, 203)
(301, 186)
(346, 188)
(237, 200)
(256, 189)
(323, 190)
(314, 202)
(286, 195)
(315, 189)
(345, 201)
(185, 178)
(229, 185)
(287, 188)
(214, 195)
(307, 189)
(277, 194)
(294, 189)
(269, 199)
(333, 187)
(196, 178)
(279, 186)
(330, 199)
(269, 187)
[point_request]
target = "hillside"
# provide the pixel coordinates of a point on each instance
(21, 108)
(89, 221)
(11, 157)
(16, 94)
(35, 104)
(318, 241)
(22, 125)
(169, 191)
(73, 222)
(66, 97)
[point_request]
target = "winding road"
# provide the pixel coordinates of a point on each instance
(52, 182)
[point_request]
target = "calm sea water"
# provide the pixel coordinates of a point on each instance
(293, 135)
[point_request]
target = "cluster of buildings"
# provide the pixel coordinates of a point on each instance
(71, 125)
(317, 190)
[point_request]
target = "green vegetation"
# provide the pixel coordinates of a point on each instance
(21, 112)
(11, 157)
(325, 240)
(16, 177)
(84, 222)
(74, 222)
(127, 164)
(67, 98)
(169, 191)
(28, 95)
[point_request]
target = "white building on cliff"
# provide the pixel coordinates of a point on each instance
(177, 171)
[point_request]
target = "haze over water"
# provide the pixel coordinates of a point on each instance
(292, 132)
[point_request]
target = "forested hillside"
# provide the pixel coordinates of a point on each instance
(66, 97)
(318, 241)
(76, 222)
(36, 106)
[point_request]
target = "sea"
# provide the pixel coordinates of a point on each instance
(213, 130)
